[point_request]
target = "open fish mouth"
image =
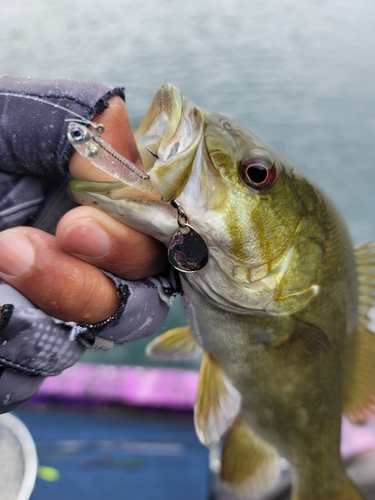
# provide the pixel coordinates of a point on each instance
(159, 126)
(168, 138)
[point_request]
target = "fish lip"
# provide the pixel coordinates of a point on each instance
(168, 139)
(159, 125)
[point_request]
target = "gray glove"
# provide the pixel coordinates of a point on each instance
(34, 157)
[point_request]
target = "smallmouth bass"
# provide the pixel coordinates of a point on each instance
(279, 310)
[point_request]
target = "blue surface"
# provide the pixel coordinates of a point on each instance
(113, 457)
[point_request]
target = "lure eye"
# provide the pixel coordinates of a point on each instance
(258, 173)
(77, 134)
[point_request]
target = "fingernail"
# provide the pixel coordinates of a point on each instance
(86, 237)
(17, 253)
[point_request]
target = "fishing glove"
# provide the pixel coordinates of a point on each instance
(34, 158)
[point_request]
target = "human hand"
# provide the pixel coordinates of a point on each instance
(61, 275)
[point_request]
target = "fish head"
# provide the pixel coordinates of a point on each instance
(248, 204)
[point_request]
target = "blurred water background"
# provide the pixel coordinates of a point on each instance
(301, 74)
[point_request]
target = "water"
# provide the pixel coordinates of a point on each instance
(299, 74)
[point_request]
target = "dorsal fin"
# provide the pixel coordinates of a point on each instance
(360, 387)
(249, 465)
(217, 402)
(175, 344)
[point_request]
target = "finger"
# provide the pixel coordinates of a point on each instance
(103, 241)
(118, 133)
(60, 284)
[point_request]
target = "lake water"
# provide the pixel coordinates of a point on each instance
(300, 74)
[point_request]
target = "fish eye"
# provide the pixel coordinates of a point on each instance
(258, 173)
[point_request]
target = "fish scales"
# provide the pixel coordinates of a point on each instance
(286, 349)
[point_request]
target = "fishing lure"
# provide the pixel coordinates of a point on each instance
(100, 153)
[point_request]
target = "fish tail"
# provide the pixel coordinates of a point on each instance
(249, 465)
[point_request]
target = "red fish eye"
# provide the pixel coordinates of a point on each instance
(258, 173)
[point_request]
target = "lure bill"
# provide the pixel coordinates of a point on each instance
(90, 145)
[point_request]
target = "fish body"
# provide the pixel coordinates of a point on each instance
(279, 309)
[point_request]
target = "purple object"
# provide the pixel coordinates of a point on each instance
(154, 387)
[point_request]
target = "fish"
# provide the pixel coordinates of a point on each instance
(278, 309)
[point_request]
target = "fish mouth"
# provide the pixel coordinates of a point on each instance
(168, 138)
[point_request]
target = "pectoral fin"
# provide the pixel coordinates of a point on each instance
(360, 353)
(249, 465)
(306, 344)
(176, 344)
(217, 402)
